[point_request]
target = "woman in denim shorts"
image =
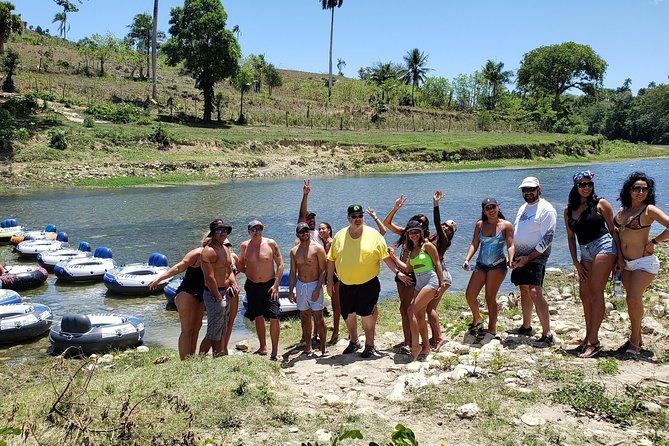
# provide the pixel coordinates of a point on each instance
(589, 220)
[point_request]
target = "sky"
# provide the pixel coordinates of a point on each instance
(458, 36)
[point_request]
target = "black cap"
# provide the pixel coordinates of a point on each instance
(310, 214)
(354, 209)
(488, 201)
(218, 224)
(413, 224)
(301, 225)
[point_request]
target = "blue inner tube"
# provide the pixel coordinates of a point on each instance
(9, 297)
(21, 322)
(79, 334)
(19, 277)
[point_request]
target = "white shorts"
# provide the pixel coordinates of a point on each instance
(303, 292)
(649, 264)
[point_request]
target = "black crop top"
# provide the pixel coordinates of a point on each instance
(589, 226)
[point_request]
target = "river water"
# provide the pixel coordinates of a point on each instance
(134, 222)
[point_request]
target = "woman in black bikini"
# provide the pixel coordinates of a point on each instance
(589, 220)
(633, 221)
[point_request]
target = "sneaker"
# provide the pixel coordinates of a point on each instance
(368, 351)
(544, 341)
(522, 331)
(352, 347)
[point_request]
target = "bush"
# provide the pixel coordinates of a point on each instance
(116, 113)
(58, 139)
(88, 122)
(160, 136)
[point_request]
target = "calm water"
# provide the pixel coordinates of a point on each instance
(135, 222)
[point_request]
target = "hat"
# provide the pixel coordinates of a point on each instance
(452, 224)
(354, 209)
(487, 201)
(218, 224)
(301, 225)
(254, 223)
(227, 242)
(310, 214)
(412, 225)
(583, 174)
(529, 182)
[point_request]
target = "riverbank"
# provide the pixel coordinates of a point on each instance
(498, 391)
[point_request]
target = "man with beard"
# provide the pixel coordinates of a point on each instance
(534, 229)
(307, 265)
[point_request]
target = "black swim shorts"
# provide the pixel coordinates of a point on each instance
(359, 299)
(259, 301)
(530, 274)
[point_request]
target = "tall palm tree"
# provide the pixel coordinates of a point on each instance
(341, 64)
(63, 27)
(331, 4)
(9, 23)
(496, 77)
(415, 62)
(154, 52)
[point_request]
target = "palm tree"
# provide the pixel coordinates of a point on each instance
(63, 27)
(154, 52)
(341, 64)
(415, 62)
(9, 23)
(237, 32)
(496, 77)
(331, 4)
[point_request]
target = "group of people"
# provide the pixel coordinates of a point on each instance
(348, 264)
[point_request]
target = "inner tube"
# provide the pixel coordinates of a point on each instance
(9, 227)
(21, 277)
(170, 291)
(49, 233)
(20, 322)
(95, 333)
(31, 248)
(9, 297)
(86, 269)
(286, 306)
(135, 278)
(49, 259)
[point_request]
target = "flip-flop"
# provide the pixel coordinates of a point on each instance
(475, 327)
(595, 349)
(259, 352)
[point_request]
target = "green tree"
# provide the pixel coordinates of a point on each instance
(273, 78)
(209, 52)
(384, 75)
(331, 5)
(496, 77)
(415, 70)
(552, 70)
(63, 27)
(105, 46)
(436, 92)
(141, 33)
(258, 64)
(10, 64)
(9, 23)
(341, 64)
(242, 81)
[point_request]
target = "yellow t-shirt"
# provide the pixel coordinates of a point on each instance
(357, 260)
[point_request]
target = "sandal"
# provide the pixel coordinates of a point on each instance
(480, 334)
(632, 350)
(473, 328)
(590, 350)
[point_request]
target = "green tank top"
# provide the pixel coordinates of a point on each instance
(422, 259)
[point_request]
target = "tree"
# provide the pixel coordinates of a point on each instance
(341, 64)
(258, 64)
(415, 62)
(552, 70)
(331, 4)
(63, 27)
(141, 33)
(209, 52)
(496, 77)
(10, 63)
(242, 82)
(154, 52)
(9, 23)
(104, 48)
(273, 78)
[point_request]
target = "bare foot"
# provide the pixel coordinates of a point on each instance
(415, 351)
(438, 345)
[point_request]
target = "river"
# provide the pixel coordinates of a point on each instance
(135, 222)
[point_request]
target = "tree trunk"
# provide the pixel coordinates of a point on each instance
(208, 91)
(241, 106)
(2, 46)
(330, 65)
(154, 52)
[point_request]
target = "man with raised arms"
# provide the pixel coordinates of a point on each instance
(307, 273)
(258, 257)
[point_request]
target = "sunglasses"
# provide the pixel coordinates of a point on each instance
(220, 231)
(303, 231)
(639, 189)
(528, 189)
(490, 207)
(256, 229)
(356, 216)
(589, 184)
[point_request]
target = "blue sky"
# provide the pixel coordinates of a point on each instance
(459, 36)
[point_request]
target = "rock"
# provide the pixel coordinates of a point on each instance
(330, 400)
(397, 394)
(446, 355)
(525, 373)
(608, 307)
(651, 407)
(142, 349)
(360, 378)
(516, 317)
(470, 410)
(566, 291)
(663, 295)
(553, 311)
(563, 327)
(323, 436)
(650, 326)
(490, 344)
(106, 359)
(461, 371)
(242, 345)
(293, 429)
(664, 400)
(417, 366)
(658, 310)
(532, 420)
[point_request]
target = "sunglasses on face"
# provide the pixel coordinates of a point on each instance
(490, 207)
(256, 229)
(220, 231)
(303, 231)
(589, 184)
(640, 189)
(356, 216)
(528, 189)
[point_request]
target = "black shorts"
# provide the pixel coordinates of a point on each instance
(259, 302)
(359, 299)
(412, 276)
(485, 268)
(530, 274)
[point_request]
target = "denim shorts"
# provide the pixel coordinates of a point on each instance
(602, 245)
(427, 279)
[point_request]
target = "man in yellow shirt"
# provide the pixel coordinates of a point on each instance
(356, 252)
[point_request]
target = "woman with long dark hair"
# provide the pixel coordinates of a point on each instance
(589, 220)
(491, 233)
(633, 221)
(325, 234)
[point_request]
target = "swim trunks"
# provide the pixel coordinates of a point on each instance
(303, 293)
(217, 314)
(259, 301)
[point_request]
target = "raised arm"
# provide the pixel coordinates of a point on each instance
(302, 216)
(377, 220)
(388, 221)
(442, 239)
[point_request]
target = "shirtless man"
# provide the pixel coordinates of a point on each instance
(307, 262)
(257, 258)
(220, 286)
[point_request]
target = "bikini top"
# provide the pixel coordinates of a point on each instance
(634, 224)
(423, 259)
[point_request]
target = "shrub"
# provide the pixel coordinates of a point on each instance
(116, 113)
(89, 122)
(160, 136)
(58, 139)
